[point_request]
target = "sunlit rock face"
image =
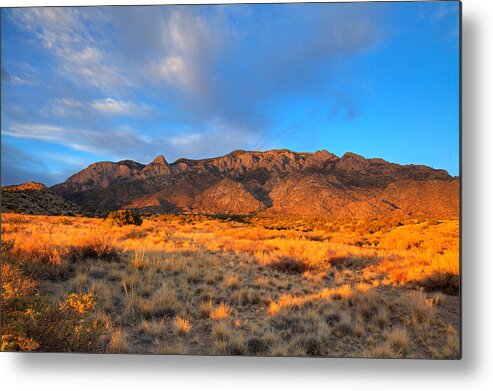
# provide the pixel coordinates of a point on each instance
(275, 181)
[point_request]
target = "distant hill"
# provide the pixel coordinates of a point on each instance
(275, 181)
(36, 198)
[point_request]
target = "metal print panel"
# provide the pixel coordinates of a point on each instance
(242, 179)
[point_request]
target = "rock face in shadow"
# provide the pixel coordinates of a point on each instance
(275, 181)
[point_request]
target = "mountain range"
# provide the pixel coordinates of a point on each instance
(274, 181)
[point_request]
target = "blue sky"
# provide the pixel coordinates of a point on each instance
(81, 85)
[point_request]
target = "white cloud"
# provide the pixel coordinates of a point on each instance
(191, 33)
(186, 140)
(177, 71)
(87, 55)
(119, 107)
(191, 42)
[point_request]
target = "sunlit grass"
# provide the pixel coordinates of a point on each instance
(260, 286)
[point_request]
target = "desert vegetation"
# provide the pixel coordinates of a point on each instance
(231, 285)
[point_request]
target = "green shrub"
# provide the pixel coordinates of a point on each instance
(124, 217)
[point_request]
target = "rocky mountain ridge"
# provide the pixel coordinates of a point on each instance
(275, 181)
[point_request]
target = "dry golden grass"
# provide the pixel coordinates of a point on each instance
(181, 326)
(398, 339)
(257, 286)
(152, 328)
(119, 342)
(222, 311)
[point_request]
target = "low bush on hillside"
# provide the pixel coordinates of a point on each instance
(124, 217)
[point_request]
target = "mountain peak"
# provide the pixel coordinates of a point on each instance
(351, 162)
(159, 160)
(351, 155)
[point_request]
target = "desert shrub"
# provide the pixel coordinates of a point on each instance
(36, 253)
(398, 339)
(14, 283)
(289, 265)
(92, 249)
(441, 281)
(181, 326)
(234, 346)
(163, 303)
(420, 307)
(220, 312)
(256, 345)
(312, 345)
(135, 234)
(344, 325)
(221, 331)
(37, 323)
(6, 246)
(33, 322)
(206, 307)
(287, 321)
(38, 260)
(119, 342)
(231, 281)
(124, 217)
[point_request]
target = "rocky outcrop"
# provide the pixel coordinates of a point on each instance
(352, 163)
(227, 196)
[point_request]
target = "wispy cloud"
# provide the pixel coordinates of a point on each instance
(118, 107)
(81, 51)
(444, 9)
(66, 107)
(70, 108)
(437, 11)
(120, 141)
(13, 79)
